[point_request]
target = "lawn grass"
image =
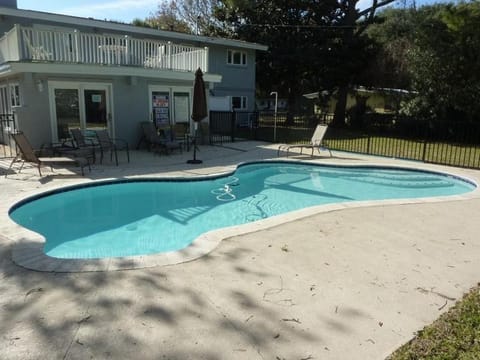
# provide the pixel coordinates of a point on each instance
(433, 152)
(454, 336)
(436, 152)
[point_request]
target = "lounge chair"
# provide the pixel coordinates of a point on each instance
(28, 154)
(158, 142)
(107, 143)
(316, 142)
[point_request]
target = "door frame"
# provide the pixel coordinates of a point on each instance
(171, 90)
(80, 86)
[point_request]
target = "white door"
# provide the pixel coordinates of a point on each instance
(170, 105)
(79, 105)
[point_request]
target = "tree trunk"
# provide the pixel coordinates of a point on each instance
(348, 41)
(291, 108)
(340, 107)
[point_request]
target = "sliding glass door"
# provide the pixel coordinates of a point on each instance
(79, 105)
(67, 112)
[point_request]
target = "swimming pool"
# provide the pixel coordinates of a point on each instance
(150, 216)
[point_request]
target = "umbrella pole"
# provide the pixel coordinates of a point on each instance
(195, 160)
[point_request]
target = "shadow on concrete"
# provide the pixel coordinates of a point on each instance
(194, 310)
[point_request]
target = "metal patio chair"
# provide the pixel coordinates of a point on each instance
(158, 142)
(106, 143)
(82, 142)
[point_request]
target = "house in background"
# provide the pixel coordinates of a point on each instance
(61, 72)
(379, 100)
(268, 104)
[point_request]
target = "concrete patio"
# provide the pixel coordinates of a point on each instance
(353, 283)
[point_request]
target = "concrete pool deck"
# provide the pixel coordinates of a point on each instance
(353, 283)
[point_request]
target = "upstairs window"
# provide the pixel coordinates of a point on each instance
(235, 57)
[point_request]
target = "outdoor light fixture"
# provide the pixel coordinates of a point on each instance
(40, 85)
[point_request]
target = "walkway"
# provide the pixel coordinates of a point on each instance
(348, 284)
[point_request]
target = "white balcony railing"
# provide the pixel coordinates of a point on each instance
(24, 43)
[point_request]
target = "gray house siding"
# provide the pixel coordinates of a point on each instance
(237, 80)
(130, 106)
(33, 116)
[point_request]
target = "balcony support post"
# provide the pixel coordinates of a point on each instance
(205, 59)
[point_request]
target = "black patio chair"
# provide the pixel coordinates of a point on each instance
(158, 142)
(82, 142)
(106, 143)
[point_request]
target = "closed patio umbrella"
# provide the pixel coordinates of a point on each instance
(199, 110)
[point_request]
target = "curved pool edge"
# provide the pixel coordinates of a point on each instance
(27, 250)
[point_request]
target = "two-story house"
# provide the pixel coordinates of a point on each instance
(60, 72)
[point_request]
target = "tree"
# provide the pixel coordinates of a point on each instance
(352, 45)
(189, 16)
(393, 34)
(166, 18)
(313, 45)
(294, 31)
(198, 14)
(445, 62)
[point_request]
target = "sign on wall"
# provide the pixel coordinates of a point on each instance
(161, 109)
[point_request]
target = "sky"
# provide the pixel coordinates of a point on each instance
(117, 10)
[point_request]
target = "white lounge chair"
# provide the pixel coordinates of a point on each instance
(316, 142)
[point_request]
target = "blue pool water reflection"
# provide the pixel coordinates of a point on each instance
(149, 216)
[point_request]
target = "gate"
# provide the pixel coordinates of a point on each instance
(231, 126)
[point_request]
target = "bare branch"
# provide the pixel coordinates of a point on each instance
(374, 7)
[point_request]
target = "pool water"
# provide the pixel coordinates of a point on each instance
(141, 217)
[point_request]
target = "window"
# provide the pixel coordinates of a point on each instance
(181, 107)
(239, 102)
(235, 57)
(4, 108)
(15, 95)
(9, 96)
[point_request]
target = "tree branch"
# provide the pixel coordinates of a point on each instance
(370, 14)
(374, 7)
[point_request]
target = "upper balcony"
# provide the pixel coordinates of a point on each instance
(26, 44)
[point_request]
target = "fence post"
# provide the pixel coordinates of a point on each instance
(424, 153)
(76, 46)
(205, 59)
(169, 55)
(425, 137)
(232, 126)
(127, 50)
(368, 144)
(19, 40)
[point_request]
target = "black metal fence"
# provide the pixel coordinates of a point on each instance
(452, 143)
(230, 126)
(7, 126)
